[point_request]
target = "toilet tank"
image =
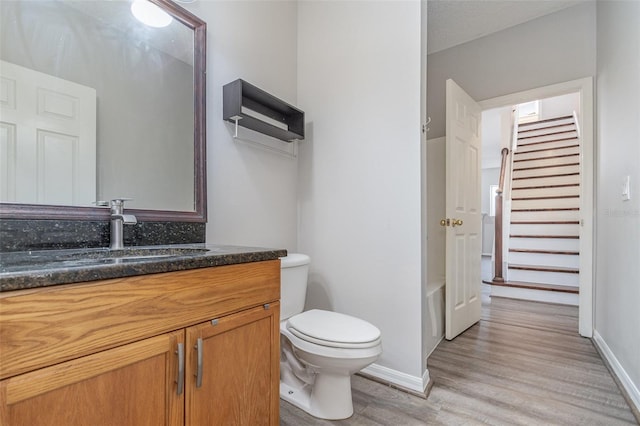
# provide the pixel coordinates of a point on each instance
(293, 284)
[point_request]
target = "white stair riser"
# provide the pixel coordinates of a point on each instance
(545, 204)
(545, 192)
(545, 229)
(546, 171)
(554, 145)
(524, 142)
(537, 295)
(526, 132)
(546, 153)
(542, 181)
(555, 278)
(545, 215)
(545, 259)
(551, 161)
(558, 121)
(564, 244)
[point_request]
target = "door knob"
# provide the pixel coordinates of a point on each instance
(456, 222)
(444, 222)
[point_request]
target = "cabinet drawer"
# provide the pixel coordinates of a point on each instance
(55, 324)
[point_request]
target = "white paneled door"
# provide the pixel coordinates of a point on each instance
(463, 209)
(47, 138)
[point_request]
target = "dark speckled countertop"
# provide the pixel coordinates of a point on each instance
(32, 269)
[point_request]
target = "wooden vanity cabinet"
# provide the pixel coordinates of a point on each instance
(122, 365)
(132, 384)
(237, 372)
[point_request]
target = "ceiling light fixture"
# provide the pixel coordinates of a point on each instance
(150, 14)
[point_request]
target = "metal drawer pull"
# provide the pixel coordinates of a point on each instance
(180, 378)
(199, 370)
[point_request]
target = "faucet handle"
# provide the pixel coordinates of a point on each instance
(117, 204)
(120, 200)
(115, 201)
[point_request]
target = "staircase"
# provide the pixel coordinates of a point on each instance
(543, 259)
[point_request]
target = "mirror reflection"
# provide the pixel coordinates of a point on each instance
(95, 105)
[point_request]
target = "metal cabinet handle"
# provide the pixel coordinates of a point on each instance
(180, 378)
(199, 369)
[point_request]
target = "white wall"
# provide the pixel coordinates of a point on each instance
(559, 106)
(436, 199)
(360, 171)
(617, 287)
(251, 192)
(496, 134)
(490, 176)
(551, 49)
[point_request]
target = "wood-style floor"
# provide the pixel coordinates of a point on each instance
(523, 364)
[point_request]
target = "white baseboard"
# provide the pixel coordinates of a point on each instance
(619, 371)
(535, 295)
(398, 378)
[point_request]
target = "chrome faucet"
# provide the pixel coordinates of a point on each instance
(118, 219)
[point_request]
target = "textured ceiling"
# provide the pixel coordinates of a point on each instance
(453, 22)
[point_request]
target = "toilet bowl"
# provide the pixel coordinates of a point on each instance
(320, 350)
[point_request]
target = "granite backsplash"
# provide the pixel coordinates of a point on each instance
(30, 234)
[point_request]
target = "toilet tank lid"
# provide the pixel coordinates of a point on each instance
(294, 259)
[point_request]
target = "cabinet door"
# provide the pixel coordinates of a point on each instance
(239, 376)
(135, 384)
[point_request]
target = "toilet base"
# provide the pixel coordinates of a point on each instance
(328, 398)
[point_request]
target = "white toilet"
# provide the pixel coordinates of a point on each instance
(320, 350)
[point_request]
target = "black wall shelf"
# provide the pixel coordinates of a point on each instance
(248, 106)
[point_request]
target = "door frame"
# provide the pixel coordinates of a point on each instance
(584, 87)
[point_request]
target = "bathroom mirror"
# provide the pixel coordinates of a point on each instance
(98, 105)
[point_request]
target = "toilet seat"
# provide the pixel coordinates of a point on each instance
(333, 330)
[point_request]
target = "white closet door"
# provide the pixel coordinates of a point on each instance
(463, 209)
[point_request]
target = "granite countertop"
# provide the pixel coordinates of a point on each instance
(33, 269)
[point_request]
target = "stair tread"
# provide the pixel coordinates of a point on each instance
(563, 185)
(546, 127)
(546, 167)
(562, 269)
(547, 176)
(547, 120)
(549, 209)
(567, 237)
(550, 141)
(536, 251)
(548, 197)
(546, 149)
(545, 222)
(536, 286)
(547, 157)
(521, 138)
